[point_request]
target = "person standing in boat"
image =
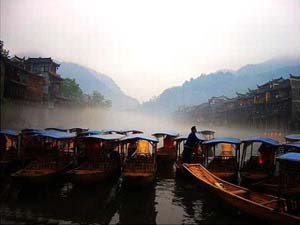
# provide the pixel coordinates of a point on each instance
(190, 145)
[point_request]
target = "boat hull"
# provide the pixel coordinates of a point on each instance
(257, 208)
(87, 177)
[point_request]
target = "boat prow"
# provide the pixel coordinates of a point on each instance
(260, 205)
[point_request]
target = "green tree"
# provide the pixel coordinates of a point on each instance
(98, 100)
(3, 52)
(71, 89)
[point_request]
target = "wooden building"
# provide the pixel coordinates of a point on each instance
(275, 104)
(47, 68)
(18, 83)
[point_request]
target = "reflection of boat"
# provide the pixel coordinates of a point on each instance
(258, 159)
(55, 157)
(197, 155)
(259, 205)
(139, 167)
(94, 204)
(136, 207)
(99, 159)
(9, 145)
(222, 156)
(167, 153)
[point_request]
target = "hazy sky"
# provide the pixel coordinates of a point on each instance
(147, 46)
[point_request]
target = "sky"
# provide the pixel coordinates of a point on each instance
(148, 46)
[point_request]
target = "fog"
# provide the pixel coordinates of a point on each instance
(19, 117)
(152, 42)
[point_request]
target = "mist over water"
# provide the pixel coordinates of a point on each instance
(100, 118)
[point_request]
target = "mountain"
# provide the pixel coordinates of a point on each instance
(223, 82)
(90, 80)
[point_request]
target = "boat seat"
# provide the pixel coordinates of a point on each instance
(239, 192)
(267, 202)
(219, 185)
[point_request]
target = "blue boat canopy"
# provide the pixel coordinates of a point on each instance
(293, 137)
(168, 133)
(31, 131)
(57, 129)
(264, 140)
(293, 145)
(56, 134)
(124, 131)
(9, 132)
(110, 131)
(218, 140)
(292, 156)
(105, 137)
(140, 137)
(89, 132)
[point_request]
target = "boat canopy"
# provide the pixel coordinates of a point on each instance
(293, 137)
(31, 131)
(124, 131)
(57, 129)
(218, 140)
(293, 144)
(56, 134)
(207, 132)
(110, 131)
(77, 129)
(167, 133)
(89, 132)
(292, 156)
(263, 140)
(105, 137)
(9, 132)
(140, 137)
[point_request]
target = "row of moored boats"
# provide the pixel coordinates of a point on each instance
(258, 175)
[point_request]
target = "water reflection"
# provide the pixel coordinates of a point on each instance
(171, 200)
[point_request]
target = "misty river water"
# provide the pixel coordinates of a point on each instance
(170, 200)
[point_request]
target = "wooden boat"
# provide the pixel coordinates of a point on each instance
(222, 156)
(166, 153)
(197, 155)
(55, 157)
(99, 159)
(30, 145)
(258, 159)
(288, 174)
(139, 167)
(292, 138)
(9, 146)
(265, 207)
